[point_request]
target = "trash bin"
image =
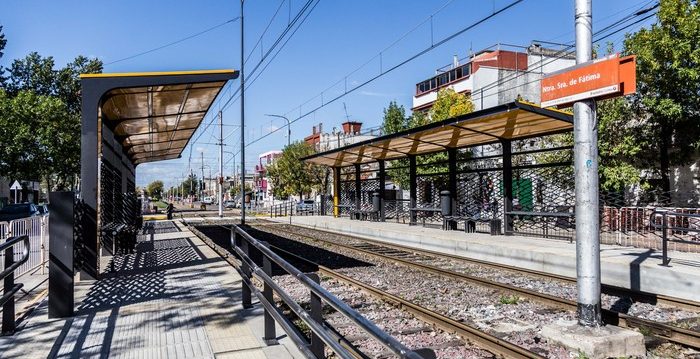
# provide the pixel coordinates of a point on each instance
(445, 203)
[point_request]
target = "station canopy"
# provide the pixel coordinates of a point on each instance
(511, 121)
(156, 122)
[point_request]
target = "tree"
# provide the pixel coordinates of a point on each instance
(155, 189)
(668, 78)
(395, 120)
(450, 104)
(3, 43)
(191, 184)
(290, 176)
(35, 137)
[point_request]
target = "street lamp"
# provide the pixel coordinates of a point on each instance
(289, 128)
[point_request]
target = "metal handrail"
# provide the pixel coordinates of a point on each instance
(8, 276)
(317, 327)
(664, 227)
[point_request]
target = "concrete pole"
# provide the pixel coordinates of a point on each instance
(220, 182)
(586, 173)
(242, 124)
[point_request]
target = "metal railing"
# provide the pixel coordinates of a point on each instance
(321, 334)
(36, 228)
(678, 219)
(7, 301)
(293, 208)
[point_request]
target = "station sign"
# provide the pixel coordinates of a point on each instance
(608, 77)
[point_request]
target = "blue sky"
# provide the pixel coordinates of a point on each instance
(337, 38)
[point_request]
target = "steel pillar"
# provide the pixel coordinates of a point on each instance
(452, 183)
(507, 152)
(336, 191)
(382, 190)
(358, 189)
(413, 190)
(586, 174)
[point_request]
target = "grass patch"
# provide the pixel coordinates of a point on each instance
(509, 299)
(161, 205)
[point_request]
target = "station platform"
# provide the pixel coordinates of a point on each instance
(634, 268)
(173, 298)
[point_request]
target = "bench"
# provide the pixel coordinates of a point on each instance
(471, 220)
(424, 210)
(372, 214)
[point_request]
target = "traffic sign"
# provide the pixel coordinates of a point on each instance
(16, 186)
(603, 78)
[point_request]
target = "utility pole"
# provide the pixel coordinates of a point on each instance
(242, 122)
(201, 190)
(220, 179)
(586, 174)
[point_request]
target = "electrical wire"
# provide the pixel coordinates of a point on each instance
(174, 42)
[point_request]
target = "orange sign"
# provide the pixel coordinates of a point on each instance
(603, 78)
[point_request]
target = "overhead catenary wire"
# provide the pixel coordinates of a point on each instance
(432, 46)
(174, 42)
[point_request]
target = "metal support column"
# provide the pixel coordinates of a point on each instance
(61, 275)
(507, 151)
(586, 175)
(336, 191)
(242, 121)
(358, 189)
(452, 184)
(270, 336)
(382, 190)
(413, 190)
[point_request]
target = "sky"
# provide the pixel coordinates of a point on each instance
(330, 47)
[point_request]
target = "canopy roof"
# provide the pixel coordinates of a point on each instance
(154, 114)
(512, 121)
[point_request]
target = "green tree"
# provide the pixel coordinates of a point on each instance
(3, 43)
(450, 104)
(395, 120)
(668, 88)
(191, 184)
(155, 189)
(290, 176)
(34, 137)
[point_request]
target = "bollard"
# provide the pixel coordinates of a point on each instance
(664, 239)
(317, 345)
(8, 310)
(245, 291)
(446, 209)
(270, 337)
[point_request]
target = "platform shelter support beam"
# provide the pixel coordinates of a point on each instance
(358, 188)
(507, 152)
(452, 183)
(382, 190)
(336, 192)
(412, 185)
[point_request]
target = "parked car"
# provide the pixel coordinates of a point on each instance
(17, 211)
(43, 209)
(208, 200)
(230, 204)
(305, 205)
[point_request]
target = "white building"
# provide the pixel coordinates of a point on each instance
(494, 76)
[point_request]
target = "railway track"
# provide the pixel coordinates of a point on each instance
(411, 257)
(472, 335)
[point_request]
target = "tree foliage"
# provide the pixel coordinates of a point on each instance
(290, 176)
(41, 106)
(191, 184)
(668, 88)
(395, 120)
(155, 189)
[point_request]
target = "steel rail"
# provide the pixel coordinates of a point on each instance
(385, 339)
(640, 296)
(484, 340)
(671, 333)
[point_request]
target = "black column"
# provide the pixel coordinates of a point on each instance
(412, 184)
(382, 190)
(452, 182)
(61, 294)
(507, 186)
(89, 145)
(358, 189)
